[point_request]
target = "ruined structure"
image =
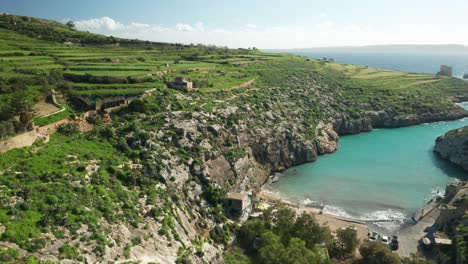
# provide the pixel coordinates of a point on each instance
(181, 84)
(445, 71)
(96, 104)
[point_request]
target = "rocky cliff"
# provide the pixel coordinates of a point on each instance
(185, 150)
(343, 124)
(453, 146)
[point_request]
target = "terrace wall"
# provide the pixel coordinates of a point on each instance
(28, 138)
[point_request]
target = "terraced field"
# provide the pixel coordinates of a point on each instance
(94, 66)
(107, 70)
(381, 77)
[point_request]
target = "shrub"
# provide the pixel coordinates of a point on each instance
(137, 106)
(68, 129)
(8, 255)
(377, 253)
(68, 252)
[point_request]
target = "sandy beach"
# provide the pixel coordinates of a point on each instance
(332, 221)
(409, 235)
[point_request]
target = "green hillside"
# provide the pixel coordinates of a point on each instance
(158, 173)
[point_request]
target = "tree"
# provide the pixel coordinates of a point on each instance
(377, 253)
(249, 232)
(6, 128)
(347, 241)
(416, 259)
(307, 229)
(272, 250)
(21, 104)
(70, 24)
(283, 220)
(298, 253)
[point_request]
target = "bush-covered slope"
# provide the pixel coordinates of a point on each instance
(150, 184)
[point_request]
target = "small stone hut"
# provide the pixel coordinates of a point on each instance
(181, 84)
(236, 201)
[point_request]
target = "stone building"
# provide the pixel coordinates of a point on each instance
(445, 71)
(181, 84)
(237, 202)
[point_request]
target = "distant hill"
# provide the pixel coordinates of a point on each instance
(50, 30)
(398, 48)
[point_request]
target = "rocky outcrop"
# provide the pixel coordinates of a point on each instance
(345, 125)
(386, 120)
(453, 146)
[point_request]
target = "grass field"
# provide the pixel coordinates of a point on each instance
(103, 70)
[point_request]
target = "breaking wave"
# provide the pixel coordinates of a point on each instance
(337, 211)
(389, 219)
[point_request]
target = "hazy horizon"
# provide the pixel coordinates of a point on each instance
(388, 48)
(266, 25)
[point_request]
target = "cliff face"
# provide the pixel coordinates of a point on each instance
(344, 124)
(235, 145)
(453, 146)
(193, 146)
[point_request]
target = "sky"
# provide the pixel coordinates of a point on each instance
(265, 24)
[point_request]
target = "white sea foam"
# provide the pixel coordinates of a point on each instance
(307, 201)
(336, 211)
(436, 191)
(389, 219)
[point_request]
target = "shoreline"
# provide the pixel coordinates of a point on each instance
(269, 196)
(332, 221)
(409, 233)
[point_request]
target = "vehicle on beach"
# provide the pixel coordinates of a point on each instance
(385, 240)
(394, 244)
(374, 236)
(426, 242)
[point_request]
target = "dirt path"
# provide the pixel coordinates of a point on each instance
(45, 109)
(56, 112)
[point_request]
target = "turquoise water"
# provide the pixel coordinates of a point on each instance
(384, 174)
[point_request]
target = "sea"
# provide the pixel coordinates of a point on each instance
(386, 174)
(418, 63)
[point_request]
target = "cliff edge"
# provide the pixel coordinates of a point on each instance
(453, 146)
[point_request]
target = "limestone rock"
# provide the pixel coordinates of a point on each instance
(453, 146)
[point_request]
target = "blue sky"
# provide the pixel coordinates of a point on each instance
(261, 23)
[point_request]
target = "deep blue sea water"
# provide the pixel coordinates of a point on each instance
(420, 63)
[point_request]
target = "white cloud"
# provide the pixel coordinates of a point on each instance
(326, 32)
(251, 26)
(103, 23)
(139, 25)
(184, 27)
(200, 27)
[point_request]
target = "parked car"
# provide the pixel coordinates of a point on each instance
(385, 240)
(374, 236)
(426, 242)
(394, 244)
